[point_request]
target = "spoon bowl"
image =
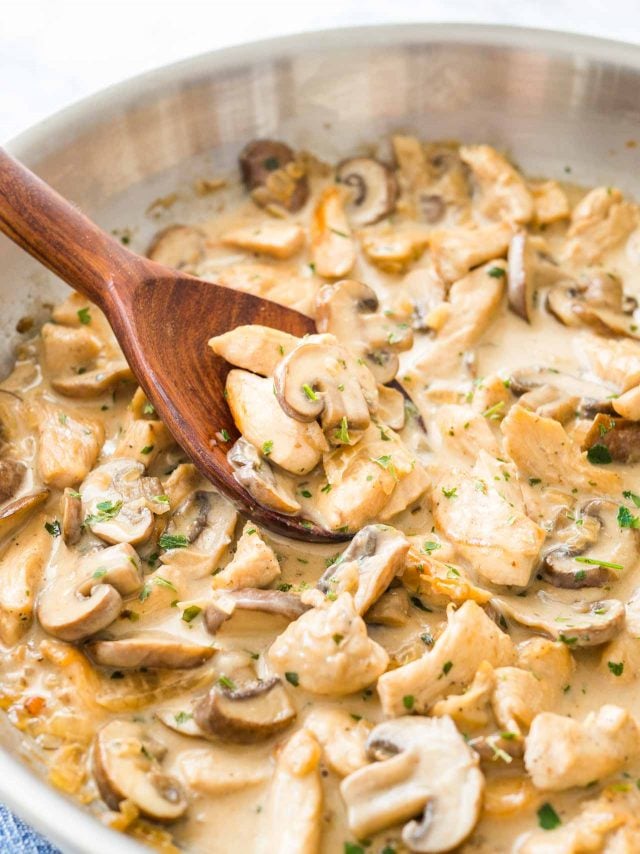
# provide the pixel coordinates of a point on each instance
(163, 320)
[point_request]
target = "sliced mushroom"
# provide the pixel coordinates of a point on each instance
(594, 397)
(149, 649)
(495, 747)
(93, 383)
(245, 714)
(14, 514)
(270, 170)
(350, 310)
(11, 476)
(190, 518)
(256, 475)
(529, 268)
(319, 379)
(620, 437)
(391, 609)
(113, 505)
(375, 556)
(422, 299)
(424, 768)
(374, 187)
(276, 602)
(598, 303)
(125, 768)
(178, 246)
(577, 624)
(181, 722)
(71, 516)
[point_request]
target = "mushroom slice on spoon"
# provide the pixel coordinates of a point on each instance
(374, 187)
(256, 475)
(247, 713)
(149, 649)
(125, 768)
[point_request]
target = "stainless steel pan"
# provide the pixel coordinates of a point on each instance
(561, 104)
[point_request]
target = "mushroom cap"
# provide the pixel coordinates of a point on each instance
(14, 514)
(520, 288)
(111, 500)
(124, 768)
(258, 162)
(374, 186)
(318, 379)
(592, 304)
(424, 767)
(11, 476)
(66, 614)
(257, 477)
(149, 649)
(594, 396)
(247, 714)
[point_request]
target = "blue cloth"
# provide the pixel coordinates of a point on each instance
(18, 837)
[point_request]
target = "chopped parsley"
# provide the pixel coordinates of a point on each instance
(353, 848)
(182, 717)
(342, 433)
(446, 667)
(494, 412)
(408, 701)
(429, 546)
(53, 528)
(631, 495)
(292, 678)
(225, 682)
(147, 449)
(496, 272)
(339, 233)
(267, 447)
(173, 541)
(106, 510)
(599, 454)
(309, 392)
(326, 488)
(148, 409)
(99, 573)
(594, 562)
(84, 316)
(305, 493)
(225, 435)
(534, 481)
(626, 519)
(337, 639)
(191, 613)
(548, 818)
(450, 493)
(386, 463)
(616, 667)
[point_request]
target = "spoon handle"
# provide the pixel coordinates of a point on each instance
(58, 235)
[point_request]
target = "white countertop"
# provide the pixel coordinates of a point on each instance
(53, 52)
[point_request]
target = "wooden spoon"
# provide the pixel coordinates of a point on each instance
(162, 320)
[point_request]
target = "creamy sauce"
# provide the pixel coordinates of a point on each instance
(58, 698)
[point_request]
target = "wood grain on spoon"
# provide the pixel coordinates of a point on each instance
(162, 320)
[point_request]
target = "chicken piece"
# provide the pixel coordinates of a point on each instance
(437, 582)
(549, 661)
(329, 650)
(280, 284)
(474, 302)
(278, 239)
(615, 360)
(65, 347)
(68, 446)
(182, 481)
(408, 490)
(541, 448)
(363, 478)
(470, 638)
(520, 694)
(482, 512)
(550, 202)
(21, 570)
(293, 815)
(295, 445)
(217, 771)
(608, 824)
(628, 404)
(254, 563)
(457, 434)
(255, 348)
(562, 752)
(143, 441)
(342, 738)
(504, 193)
(491, 397)
(332, 248)
(620, 660)
(471, 709)
(599, 222)
(395, 249)
(456, 251)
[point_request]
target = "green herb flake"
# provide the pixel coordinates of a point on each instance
(352, 848)
(225, 435)
(106, 510)
(191, 613)
(159, 581)
(339, 233)
(326, 488)
(446, 667)
(148, 409)
(337, 639)
(267, 447)
(430, 546)
(494, 412)
(548, 818)
(632, 497)
(408, 701)
(309, 392)
(342, 433)
(225, 682)
(305, 493)
(182, 717)
(496, 272)
(450, 493)
(99, 573)
(386, 462)
(594, 562)
(147, 449)
(626, 519)
(616, 667)
(599, 454)
(84, 316)
(292, 678)
(53, 528)
(534, 481)
(172, 541)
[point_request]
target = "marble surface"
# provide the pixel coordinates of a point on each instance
(53, 52)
